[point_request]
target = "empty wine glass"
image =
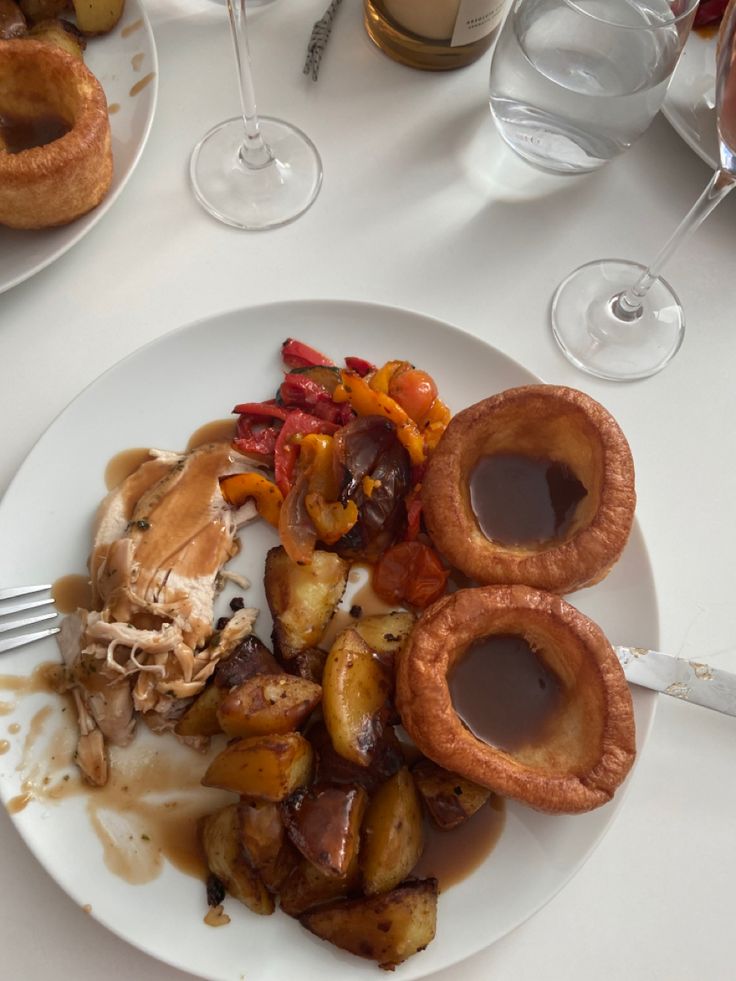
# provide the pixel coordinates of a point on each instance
(253, 172)
(617, 319)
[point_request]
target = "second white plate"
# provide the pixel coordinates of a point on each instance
(126, 65)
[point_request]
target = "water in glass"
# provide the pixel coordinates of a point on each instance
(573, 84)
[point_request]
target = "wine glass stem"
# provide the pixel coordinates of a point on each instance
(627, 305)
(254, 152)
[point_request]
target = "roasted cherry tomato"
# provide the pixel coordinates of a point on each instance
(410, 572)
(414, 390)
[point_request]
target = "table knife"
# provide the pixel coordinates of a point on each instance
(689, 680)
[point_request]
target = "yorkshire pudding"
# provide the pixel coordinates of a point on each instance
(55, 183)
(558, 426)
(587, 746)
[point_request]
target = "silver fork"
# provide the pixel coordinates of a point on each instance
(22, 636)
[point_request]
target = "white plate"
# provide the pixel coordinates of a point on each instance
(120, 59)
(159, 396)
(691, 99)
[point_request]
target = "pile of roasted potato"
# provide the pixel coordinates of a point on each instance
(45, 20)
(331, 810)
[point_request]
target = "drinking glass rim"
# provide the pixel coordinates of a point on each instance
(574, 5)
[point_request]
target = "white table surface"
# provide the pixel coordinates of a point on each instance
(422, 207)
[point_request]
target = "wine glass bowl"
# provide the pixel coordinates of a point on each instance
(619, 320)
(253, 172)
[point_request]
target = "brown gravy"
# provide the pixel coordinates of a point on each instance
(71, 593)
(519, 500)
(451, 856)
(18, 133)
(124, 464)
(503, 692)
(139, 86)
(217, 431)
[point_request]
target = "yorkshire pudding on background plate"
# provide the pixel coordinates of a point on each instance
(553, 423)
(52, 184)
(587, 747)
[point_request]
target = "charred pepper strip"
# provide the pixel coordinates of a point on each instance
(237, 488)
(296, 354)
(297, 423)
(368, 402)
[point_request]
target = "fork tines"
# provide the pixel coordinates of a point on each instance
(21, 634)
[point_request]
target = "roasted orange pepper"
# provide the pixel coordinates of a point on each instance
(367, 402)
(237, 488)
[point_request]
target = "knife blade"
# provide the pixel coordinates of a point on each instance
(690, 681)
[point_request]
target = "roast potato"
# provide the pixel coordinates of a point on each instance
(37, 10)
(386, 633)
(267, 703)
(266, 767)
(450, 799)
(302, 598)
(387, 928)
(97, 16)
(393, 834)
(331, 768)
(306, 886)
(324, 824)
(264, 841)
(220, 835)
(12, 22)
(356, 691)
(200, 719)
(61, 33)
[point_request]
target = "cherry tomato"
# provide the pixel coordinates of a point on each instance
(414, 390)
(410, 572)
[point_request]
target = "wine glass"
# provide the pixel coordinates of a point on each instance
(617, 319)
(253, 172)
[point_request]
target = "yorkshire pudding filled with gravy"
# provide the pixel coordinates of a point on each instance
(55, 150)
(518, 691)
(534, 485)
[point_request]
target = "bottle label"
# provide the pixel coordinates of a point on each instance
(476, 19)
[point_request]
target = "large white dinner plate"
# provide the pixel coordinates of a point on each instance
(158, 396)
(690, 103)
(120, 60)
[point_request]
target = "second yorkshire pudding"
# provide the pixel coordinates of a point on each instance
(43, 87)
(585, 748)
(533, 426)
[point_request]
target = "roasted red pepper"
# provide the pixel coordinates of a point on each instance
(295, 354)
(297, 423)
(710, 12)
(302, 392)
(360, 366)
(257, 429)
(267, 409)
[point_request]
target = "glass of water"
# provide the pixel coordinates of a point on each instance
(575, 82)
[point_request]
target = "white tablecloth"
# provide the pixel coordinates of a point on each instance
(422, 207)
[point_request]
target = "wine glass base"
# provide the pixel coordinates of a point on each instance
(262, 197)
(595, 340)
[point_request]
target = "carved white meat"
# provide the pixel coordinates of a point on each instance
(161, 539)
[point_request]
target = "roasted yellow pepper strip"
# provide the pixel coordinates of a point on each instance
(316, 456)
(381, 379)
(237, 488)
(434, 423)
(331, 519)
(368, 402)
